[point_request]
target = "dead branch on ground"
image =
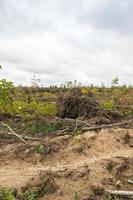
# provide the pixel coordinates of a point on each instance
(85, 126)
(120, 193)
(22, 138)
(109, 125)
(130, 181)
(13, 133)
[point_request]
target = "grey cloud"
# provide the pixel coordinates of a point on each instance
(66, 40)
(114, 15)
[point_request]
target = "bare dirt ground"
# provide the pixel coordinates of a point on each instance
(81, 166)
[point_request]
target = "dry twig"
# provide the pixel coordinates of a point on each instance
(13, 133)
(21, 137)
(109, 125)
(61, 132)
(88, 127)
(76, 126)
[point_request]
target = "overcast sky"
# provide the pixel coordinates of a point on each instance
(90, 41)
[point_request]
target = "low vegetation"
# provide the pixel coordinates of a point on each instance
(32, 105)
(6, 194)
(43, 113)
(29, 101)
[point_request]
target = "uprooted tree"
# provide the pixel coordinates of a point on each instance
(77, 106)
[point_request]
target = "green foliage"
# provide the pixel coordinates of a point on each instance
(87, 90)
(39, 148)
(109, 197)
(6, 194)
(84, 90)
(6, 102)
(29, 195)
(49, 109)
(77, 132)
(108, 105)
(74, 196)
(45, 109)
(35, 101)
(39, 127)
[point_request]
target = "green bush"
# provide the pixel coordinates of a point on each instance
(45, 109)
(6, 102)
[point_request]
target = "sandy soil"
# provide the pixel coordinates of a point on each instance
(81, 166)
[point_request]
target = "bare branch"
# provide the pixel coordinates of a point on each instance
(109, 125)
(13, 133)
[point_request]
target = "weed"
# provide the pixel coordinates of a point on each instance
(74, 196)
(29, 195)
(109, 197)
(84, 90)
(38, 188)
(39, 149)
(6, 194)
(77, 132)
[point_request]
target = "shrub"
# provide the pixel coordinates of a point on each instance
(108, 105)
(6, 102)
(46, 109)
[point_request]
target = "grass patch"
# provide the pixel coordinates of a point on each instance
(40, 127)
(29, 195)
(6, 194)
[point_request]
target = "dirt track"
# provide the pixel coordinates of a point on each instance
(77, 163)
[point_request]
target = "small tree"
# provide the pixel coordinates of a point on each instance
(115, 82)
(6, 102)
